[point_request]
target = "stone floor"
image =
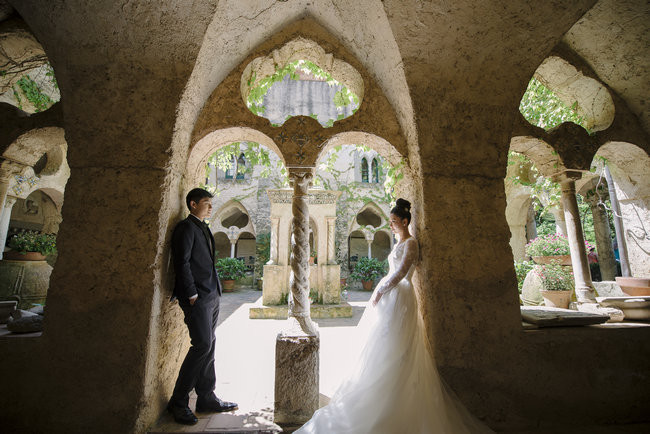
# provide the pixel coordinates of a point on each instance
(246, 368)
(245, 364)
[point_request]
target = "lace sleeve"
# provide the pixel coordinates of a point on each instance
(409, 258)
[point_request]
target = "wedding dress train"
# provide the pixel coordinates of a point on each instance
(394, 387)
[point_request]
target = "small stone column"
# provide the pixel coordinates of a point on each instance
(369, 248)
(531, 225)
(331, 236)
(5, 218)
(296, 349)
(560, 223)
(585, 292)
(606, 260)
(233, 243)
(275, 232)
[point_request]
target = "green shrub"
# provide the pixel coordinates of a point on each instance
(367, 269)
(33, 241)
(230, 268)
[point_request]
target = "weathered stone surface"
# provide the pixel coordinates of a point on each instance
(38, 310)
(342, 310)
(530, 290)
(614, 314)
(134, 78)
(296, 378)
(608, 289)
(6, 308)
(634, 308)
(22, 321)
(29, 280)
(556, 317)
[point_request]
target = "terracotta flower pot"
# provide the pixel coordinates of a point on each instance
(367, 285)
(634, 286)
(556, 298)
(228, 285)
(13, 255)
(547, 260)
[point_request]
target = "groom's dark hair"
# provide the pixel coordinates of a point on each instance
(195, 195)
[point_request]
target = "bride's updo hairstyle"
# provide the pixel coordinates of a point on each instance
(402, 209)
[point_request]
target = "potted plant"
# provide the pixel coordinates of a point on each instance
(229, 270)
(367, 270)
(31, 246)
(557, 284)
(550, 248)
(312, 257)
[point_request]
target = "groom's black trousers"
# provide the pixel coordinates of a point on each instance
(197, 371)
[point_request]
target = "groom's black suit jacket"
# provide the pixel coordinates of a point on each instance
(193, 254)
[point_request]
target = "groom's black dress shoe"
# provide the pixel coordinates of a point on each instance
(216, 406)
(182, 415)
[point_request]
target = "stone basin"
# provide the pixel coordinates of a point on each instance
(634, 286)
(636, 308)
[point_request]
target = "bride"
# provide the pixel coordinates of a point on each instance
(395, 387)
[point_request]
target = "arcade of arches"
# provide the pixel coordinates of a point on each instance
(148, 91)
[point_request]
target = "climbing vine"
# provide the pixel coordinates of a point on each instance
(541, 107)
(33, 93)
(259, 88)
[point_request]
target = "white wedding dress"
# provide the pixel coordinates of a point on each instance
(395, 387)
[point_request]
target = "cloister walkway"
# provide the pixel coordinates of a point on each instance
(245, 359)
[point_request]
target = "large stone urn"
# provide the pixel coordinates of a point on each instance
(26, 280)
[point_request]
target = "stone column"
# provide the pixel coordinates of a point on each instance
(331, 236)
(275, 226)
(618, 225)
(9, 202)
(233, 243)
(531, 225)
(560, 223)
(584, 288)
(296, 349)
(606, 260)
(299, 280)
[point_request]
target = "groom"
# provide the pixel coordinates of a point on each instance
(198, 291)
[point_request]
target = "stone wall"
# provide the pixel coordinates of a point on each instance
(444, 88)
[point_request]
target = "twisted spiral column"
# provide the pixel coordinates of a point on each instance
(299, 280)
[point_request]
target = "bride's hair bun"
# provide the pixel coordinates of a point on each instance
(402, 209)
(403, 203)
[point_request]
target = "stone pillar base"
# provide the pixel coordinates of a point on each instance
(296, 377)
(615, 315)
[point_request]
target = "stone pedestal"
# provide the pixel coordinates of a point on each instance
(296, 377)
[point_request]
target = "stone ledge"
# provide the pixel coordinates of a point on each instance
(343, 310)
